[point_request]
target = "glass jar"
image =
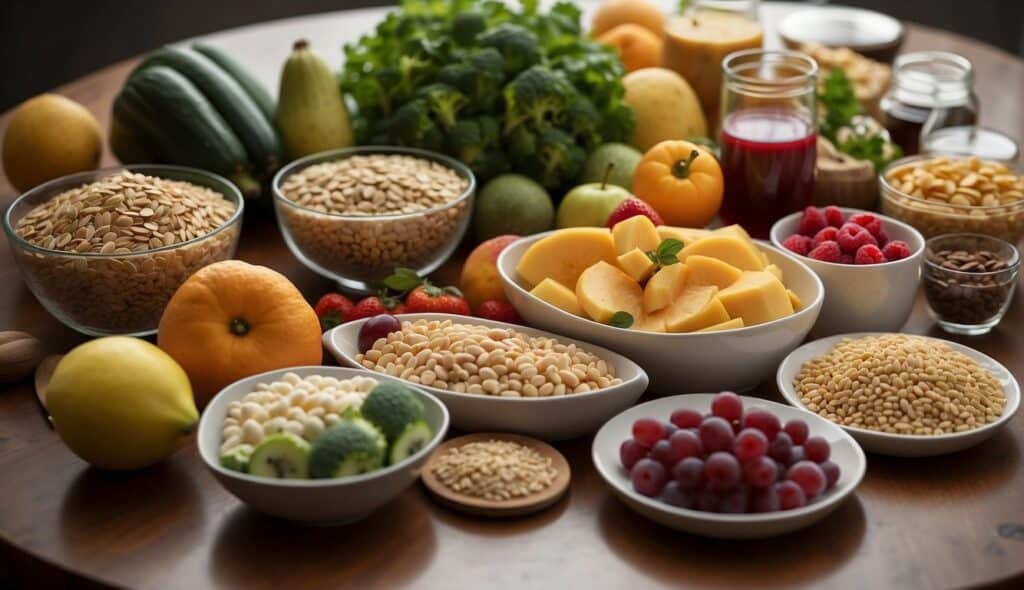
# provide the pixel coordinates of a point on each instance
(931, 90)
(768, 136)
(970, 140)
(747, 8)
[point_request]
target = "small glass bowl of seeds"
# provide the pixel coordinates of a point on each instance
(103, 251)
(969, 281)
(354, 215)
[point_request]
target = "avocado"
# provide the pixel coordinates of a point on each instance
(281, 456)
(350, 447)
(391, 407)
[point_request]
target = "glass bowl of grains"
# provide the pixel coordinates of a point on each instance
(355, 214)
(103, 251)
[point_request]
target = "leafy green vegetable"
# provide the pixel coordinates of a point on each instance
(839, 102)
(851, 132)
(499, 88)
(621, 319)
(873, 148)
(666, 253)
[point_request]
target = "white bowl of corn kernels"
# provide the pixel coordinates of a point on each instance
(604, 383)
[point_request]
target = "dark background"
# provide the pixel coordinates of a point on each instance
(50, 42)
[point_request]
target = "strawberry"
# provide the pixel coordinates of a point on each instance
(798, 244)
(869, 222)
(826, 252)
(869, 254)
(500, 311)
(812, 222)
(374, 305)
(852, 236)
(332, 309)
(833, 216)
(630, 208)
(896, 250)
(827, 234)
(429, 298)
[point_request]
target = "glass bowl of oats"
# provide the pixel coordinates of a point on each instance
(103, 251)
(354, 215)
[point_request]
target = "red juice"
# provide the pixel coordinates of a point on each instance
(768, 158)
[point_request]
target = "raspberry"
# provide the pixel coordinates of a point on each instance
(869, 222)
(882, 237)
(852, 236)
(798, 244)
(896, 250)
(826, 252)
(869, 254)
(833, 216)
(846, 259)
(812, 222)
(826, 235)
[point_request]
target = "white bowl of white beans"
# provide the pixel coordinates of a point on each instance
(313, 501)
(552, 413)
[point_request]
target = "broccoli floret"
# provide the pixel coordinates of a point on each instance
(479, 75)
(521, 144)
(618, 123)
(584, 121)
(466, 26)
(444, 102)
(413, 126)
(538, 96)
(519, 46)
(477, 143)
(558, 160)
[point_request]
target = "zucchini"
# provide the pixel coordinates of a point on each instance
(252, 86)
(128, 144)
(230, 100)
(182, 123)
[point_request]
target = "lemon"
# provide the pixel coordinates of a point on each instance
(120, 403)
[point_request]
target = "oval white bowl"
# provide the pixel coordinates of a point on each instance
(547, 418)
(905, 445)
(866, 297)
(845, 453)
(314, 501)
(736, 360)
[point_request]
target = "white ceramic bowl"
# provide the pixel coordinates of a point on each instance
(845, 453)
(547, 418)
(737, 359)
(905, 445)
(314, 501)
(867, 297)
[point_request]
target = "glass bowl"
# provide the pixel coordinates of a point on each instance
(117, 294)
(935, 217)
(973, 301)
(358, 251)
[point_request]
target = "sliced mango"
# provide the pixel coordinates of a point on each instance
(565, 254)
(683, 234)
(635, 232)
(558, 295)
(729, 249)
(694, 308)
(728, 325)
(650, 323)
(735, 230)
(665, 286)
(705, 270)
(637, 264)
(794, 300)
(757, 297)
(775, 270)
(603, 290)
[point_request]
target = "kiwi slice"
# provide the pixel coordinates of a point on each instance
(237, 459)
(281, 456)
(350, 447)
(412, 439)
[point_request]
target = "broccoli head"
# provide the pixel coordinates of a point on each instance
(519, 46)
(477, 143)
(538, 96)
(557, 161)
(479, 75)
(584, 121)
(413, 126)
(444, 102)
(466, 26)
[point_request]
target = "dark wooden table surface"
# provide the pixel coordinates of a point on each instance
(950, 521)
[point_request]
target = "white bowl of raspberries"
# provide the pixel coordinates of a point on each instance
(870, 265)
(727, 466)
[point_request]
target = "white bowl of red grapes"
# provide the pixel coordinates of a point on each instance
(727, 466)
(870, 265)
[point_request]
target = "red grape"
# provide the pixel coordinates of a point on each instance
(760, 473)
(808, 476)
(766, 500)
(750, 444)
(648, 477)
(648, 431)
(790, 495)
(676, 496)
(831, 471)
(727, 405)
(689, 473)
(378, 326)
(796, 455)
(686, 418)
(665, 453)
(716, 434)
(706, 500)
(630, 452)
(735, 502)
(816, 448)
(797, 431)
(669, 428)
(722, 471)
(686, 443)
(781, 447)
(762, 420)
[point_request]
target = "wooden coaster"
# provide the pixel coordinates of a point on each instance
(513, 507)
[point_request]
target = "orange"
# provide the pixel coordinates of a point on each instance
(682, 181)
(637, 47)
(619, 12)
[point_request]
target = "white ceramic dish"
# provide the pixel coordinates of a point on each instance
(867, 297)
(737, 359)
(547, 418)
(904, 445)
(845, 453)
(314, 501)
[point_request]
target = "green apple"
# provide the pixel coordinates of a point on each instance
(589, 205)
(623, 159)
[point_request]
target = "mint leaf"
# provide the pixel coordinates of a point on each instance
(621, 319)
(667, 252)
(403, 279)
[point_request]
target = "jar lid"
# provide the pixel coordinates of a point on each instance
(970, 140)
(933, 79)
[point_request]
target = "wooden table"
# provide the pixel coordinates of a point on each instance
(945, 522)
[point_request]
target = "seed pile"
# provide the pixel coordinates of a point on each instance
(469, 358)
(967, 287)
(495, 470)
(125, 213)
(302, 406)
(900, 384)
